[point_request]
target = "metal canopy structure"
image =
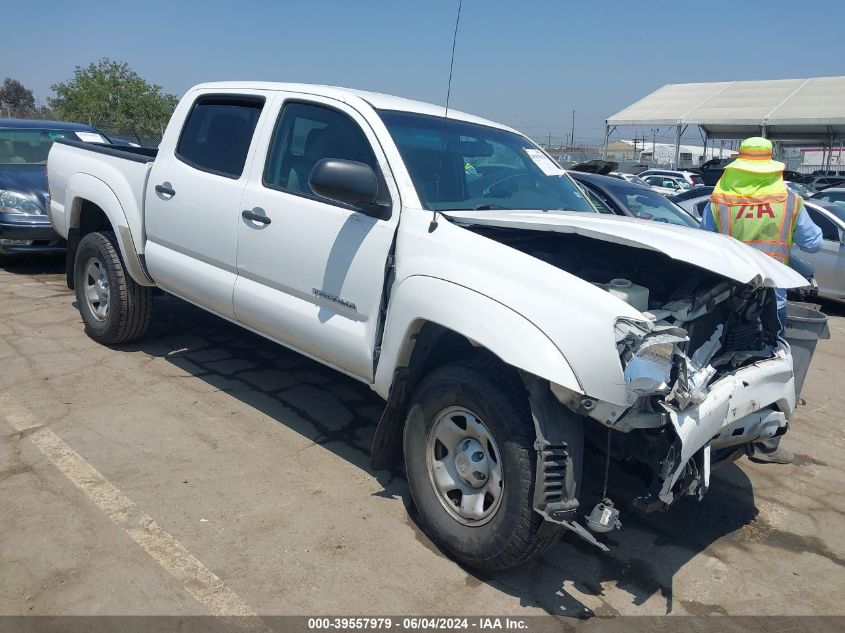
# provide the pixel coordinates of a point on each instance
(791, 111)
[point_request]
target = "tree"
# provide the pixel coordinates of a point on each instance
(15, 98)
(111, 95)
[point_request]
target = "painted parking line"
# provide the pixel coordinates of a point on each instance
(195, 577)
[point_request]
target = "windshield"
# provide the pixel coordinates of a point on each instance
(650, 205)
(480, 167)
(31, 146)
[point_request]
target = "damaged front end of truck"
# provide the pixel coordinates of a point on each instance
(705, 375)
(698, 377)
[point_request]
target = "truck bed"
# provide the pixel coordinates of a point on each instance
(138, 154)
(112, 177)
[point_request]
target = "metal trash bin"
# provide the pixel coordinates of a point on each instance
(805, 325)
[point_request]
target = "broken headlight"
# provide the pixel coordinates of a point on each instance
(647, 352)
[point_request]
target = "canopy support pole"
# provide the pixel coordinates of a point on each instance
(608, 130)
(679, 130)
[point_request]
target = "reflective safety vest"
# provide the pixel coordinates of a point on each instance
(765, 222)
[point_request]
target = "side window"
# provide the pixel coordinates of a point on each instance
(600, 199)
(598, 203)
(305, 134)
(217, 134)
(829, 230)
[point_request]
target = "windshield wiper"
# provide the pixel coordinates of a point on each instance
(488, 207)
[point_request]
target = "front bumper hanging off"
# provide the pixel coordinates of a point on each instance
(754, 403)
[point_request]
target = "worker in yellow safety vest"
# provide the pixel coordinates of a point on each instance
(752, 204)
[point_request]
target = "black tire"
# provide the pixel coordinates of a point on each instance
(129, 303)
(515, 533)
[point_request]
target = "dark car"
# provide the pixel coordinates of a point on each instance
(620, 197)
(24, 224)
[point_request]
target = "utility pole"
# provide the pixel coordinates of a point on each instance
(549, 145)
(572, 135)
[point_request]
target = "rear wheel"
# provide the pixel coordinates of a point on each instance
(114, 308)
(470, 461)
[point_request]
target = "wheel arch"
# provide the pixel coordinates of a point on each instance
(95, 207)
(423, 330)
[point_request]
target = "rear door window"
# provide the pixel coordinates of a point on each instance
(218, 132)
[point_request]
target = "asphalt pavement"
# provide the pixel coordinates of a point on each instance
(204, 470)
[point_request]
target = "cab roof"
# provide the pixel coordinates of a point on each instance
(377, 100)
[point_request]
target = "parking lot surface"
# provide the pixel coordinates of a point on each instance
(206, 470)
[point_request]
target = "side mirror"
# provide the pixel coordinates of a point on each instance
(346, 181)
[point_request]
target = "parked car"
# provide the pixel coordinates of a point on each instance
(666, 185)
(691, 178)
(24, 225)
(824, 182)
(620, 197)
(832, 195)
(451, 265)
(693, 201)
(796, 187)
(829, 262)
(637, 181)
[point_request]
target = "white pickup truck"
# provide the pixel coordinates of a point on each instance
(450, 264)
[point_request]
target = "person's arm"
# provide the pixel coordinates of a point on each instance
(707, 221)
(806, 235)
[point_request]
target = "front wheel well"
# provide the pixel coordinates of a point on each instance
(432, 346)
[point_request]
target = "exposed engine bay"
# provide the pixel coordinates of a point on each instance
(683, 363)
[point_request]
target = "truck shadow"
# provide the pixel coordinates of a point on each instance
(341, 414)
(644, 555)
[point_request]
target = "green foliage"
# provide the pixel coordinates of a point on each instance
(110, 95)
(16, 100)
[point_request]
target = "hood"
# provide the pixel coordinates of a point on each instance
(27, 179)
(720, 254)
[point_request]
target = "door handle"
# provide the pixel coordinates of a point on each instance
(165, 190)
(249, 215)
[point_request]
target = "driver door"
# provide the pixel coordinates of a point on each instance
(311, 272)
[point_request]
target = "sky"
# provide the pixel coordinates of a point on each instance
(526, 63)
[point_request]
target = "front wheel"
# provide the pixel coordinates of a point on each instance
(114, 307)
(471, 463)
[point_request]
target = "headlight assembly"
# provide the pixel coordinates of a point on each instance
(13, 202)
(647, 353)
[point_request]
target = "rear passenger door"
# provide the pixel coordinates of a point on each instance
(193, 198)
(311, 272)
